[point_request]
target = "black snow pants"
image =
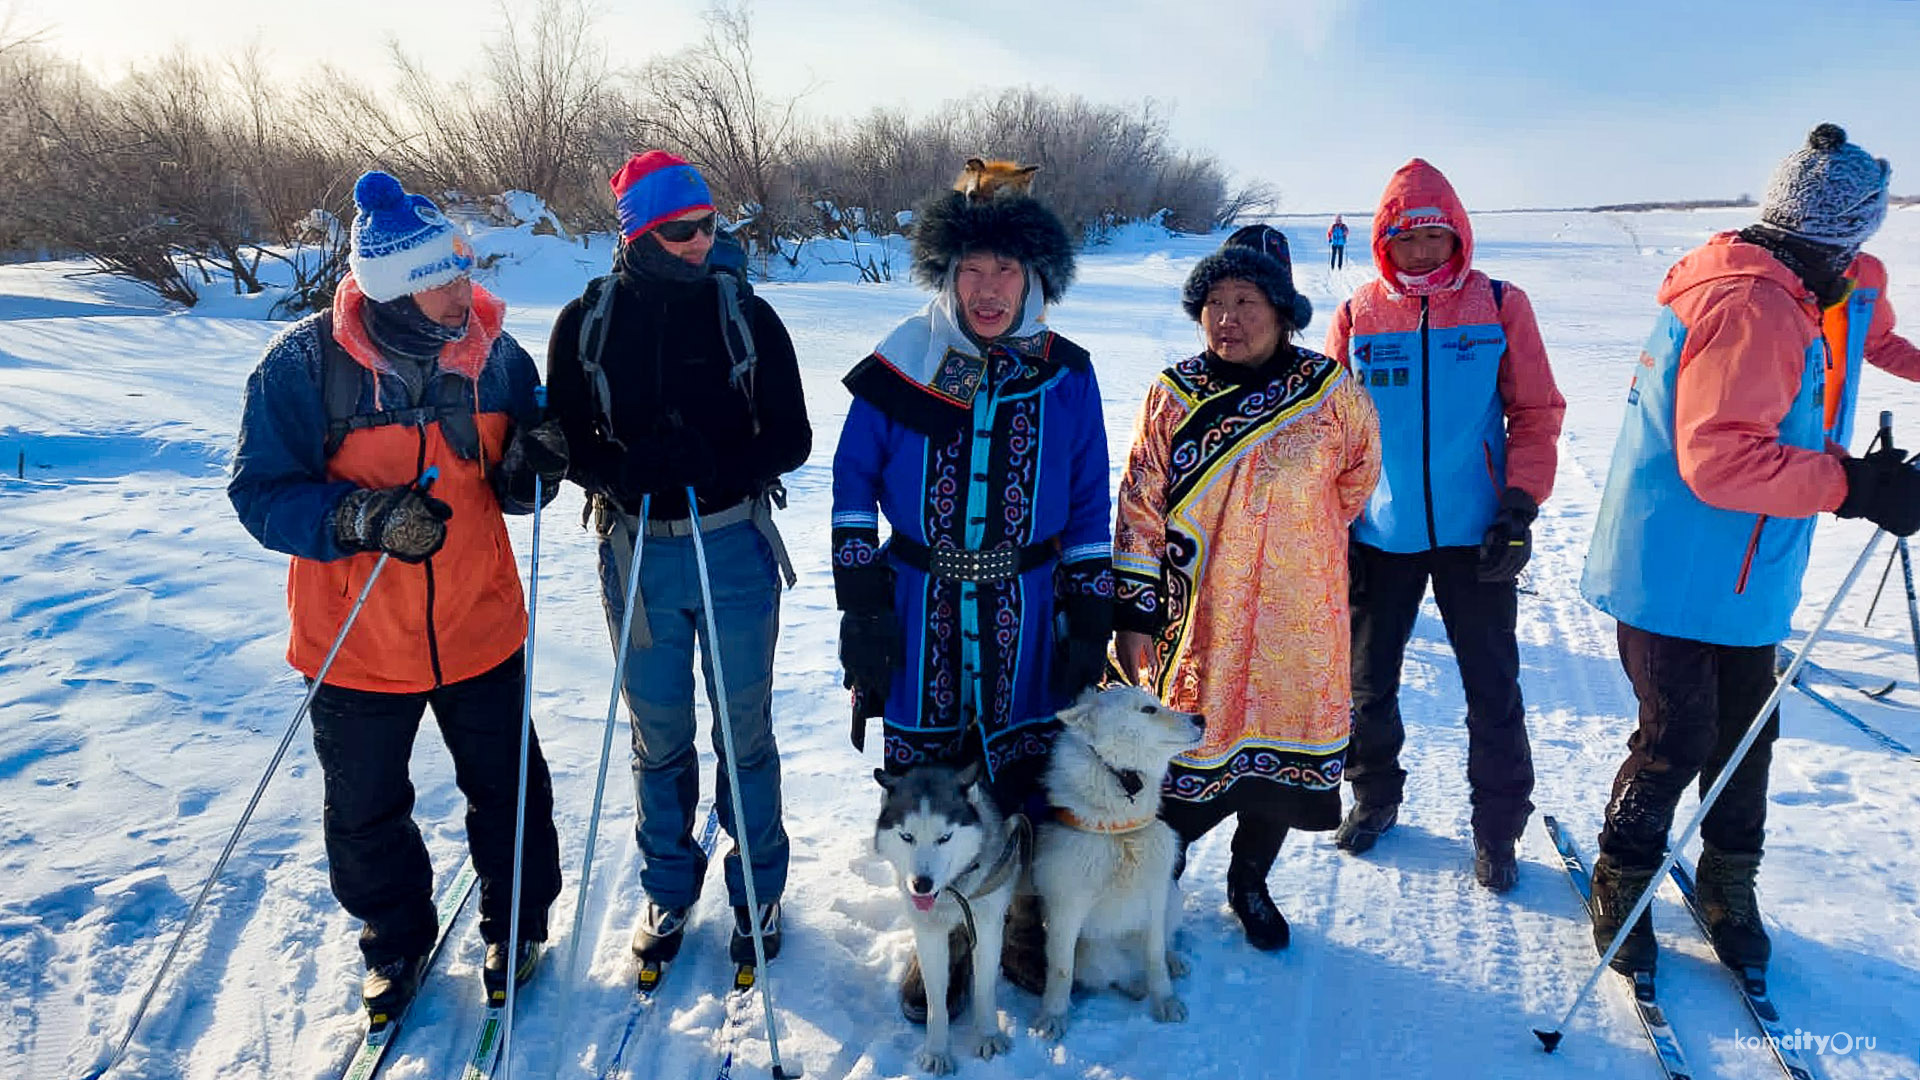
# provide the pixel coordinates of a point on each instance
(1696, 702)
(1337, 256)
(375, 856)
(1386, 590)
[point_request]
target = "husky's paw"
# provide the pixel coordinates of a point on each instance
(1176, 966)
(993, 1045)
(934, 1062)
(1168, 1010)
(1050, 1026)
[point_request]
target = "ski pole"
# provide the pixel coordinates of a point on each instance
(1550, 1039)
(526, 743)
(1886, 425)
(1913, 606)
(740, 829)
(193, 914)
(600, 784)
(1885, 573)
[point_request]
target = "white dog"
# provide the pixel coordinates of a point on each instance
(1104, 865)
(956, 859)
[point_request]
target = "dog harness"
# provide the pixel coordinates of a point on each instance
(1012, 854)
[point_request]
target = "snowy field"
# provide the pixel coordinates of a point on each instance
(143, 690)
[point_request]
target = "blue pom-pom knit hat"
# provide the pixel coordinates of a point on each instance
(402, 244)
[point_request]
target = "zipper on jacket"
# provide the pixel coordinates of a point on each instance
(1426, 426)
(1753, 548)
(433, 639)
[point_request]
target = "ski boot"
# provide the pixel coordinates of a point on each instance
(1616, 889)
(493, 973)
(389, 987)
(1725, 889)
(740, 948)
(660, 932)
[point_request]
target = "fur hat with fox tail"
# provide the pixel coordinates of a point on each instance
(949, 225)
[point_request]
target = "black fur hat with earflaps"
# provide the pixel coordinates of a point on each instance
(948, 226)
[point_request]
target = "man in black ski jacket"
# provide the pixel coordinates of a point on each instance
(667, 375)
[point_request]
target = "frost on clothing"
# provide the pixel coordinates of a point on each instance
(1468, 405)
(1231, 550)
(1001, 452)
(426, 625)
(1740, 389)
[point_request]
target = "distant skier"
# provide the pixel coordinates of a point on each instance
(1469, 421)
(1735, 437)
(1337, 243)
(410, 368)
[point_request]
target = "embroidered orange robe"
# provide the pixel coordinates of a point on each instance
(1231, 550)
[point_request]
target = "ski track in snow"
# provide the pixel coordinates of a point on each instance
(143, 688)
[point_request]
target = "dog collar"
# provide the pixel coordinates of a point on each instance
(1075, 821)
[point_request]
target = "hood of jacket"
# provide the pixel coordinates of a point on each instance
(1728, 256)
(1419, 194)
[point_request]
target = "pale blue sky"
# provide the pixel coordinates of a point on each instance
(1522, 104)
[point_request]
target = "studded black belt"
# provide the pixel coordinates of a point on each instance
(969, 564)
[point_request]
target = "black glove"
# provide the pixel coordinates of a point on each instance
(1508, 542)
(870, 651)
(1082, 627)
(403, 521)
(1078, 662)
(1884, 489)
(539, 451)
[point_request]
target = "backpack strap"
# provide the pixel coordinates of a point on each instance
(339, 384)
(593, 339)
(1499, 293)
(739, 336)
(341, 379)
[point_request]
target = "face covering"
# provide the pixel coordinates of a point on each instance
(1820, 267)
(643, 257)
(401, 328)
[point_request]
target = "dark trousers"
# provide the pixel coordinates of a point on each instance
(1696, 703)
(375, 856)
(1386, 590)
(1337, 257)
(1257, 835)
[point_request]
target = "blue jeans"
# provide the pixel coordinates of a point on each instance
(659, 692)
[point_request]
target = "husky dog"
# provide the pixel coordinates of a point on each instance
(1104, 865)
(979, 180)
(957, 859)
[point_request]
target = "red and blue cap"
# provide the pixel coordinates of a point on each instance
(654, 187)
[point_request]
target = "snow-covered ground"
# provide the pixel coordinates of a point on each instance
(143, 690)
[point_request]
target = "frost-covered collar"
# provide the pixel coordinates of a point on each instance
(465, 356)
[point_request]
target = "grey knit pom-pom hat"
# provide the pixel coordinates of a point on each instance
(1828, 191)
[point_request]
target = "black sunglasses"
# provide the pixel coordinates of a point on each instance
(679, 232)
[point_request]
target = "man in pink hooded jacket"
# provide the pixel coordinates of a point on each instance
(1733, 441)
(1469, 421)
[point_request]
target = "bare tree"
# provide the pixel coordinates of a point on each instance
(707, 103)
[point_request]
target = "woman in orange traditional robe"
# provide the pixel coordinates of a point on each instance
(1250, 461)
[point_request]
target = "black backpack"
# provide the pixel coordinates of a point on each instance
(728, 263)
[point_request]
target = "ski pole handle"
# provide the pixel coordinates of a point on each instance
(1886, 428)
